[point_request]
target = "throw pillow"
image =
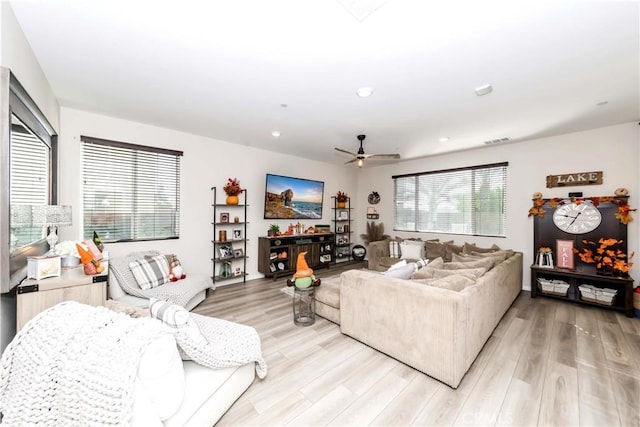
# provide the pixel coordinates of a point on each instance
(487, 263)
(403, 272)
(411, 250)
(394, 249)
(434, 250)
(151, 272)
(501, 255)
(178, 318)
(464, 257)
(467, 248)
(449, 249)
(398, 264)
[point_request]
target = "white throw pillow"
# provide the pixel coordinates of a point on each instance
(403, 272)
(398, 264)
(411, 250)
(161, 376)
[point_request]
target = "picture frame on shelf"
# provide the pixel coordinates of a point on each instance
(564, 254)
(237, 272)
(340, 229)
(225, 251)
(237, 234)
(224, 217)
(343, 215)
(238, 253)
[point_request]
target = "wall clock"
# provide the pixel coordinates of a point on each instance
(576, 218)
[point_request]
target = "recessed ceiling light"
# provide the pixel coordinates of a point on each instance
(483, 90)
(444, 139)
(602, 103)
(275, 133)
(363, 92)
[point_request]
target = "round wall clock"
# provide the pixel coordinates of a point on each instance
(577, 218)
(373, 198)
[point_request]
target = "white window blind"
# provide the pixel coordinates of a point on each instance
(29, 177)
(130, 192)
(469, 200)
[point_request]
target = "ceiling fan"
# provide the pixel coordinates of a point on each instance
(360, 156)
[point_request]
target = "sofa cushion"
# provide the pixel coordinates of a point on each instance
(502, 254)
(429, 273)
(329, 291)
(453, 283)
(150, 272)
(394, 248)
(434, 250)
(487, 263)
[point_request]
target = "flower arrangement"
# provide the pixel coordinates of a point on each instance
(341, 197)
(606, 255)
(232, 187)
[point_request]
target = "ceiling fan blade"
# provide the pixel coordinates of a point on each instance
(345, 151)
(383, 156)
(351, 161)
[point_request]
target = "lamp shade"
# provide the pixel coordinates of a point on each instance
(48, 215)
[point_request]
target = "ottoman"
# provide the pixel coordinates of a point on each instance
(328, 299)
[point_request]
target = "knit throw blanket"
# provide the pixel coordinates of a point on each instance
(177, 292)
(74, 365)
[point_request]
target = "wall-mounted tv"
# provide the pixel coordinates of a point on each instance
(293, 198)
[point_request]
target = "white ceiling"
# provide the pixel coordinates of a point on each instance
(224, 69)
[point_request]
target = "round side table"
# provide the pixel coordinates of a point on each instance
(304, 306)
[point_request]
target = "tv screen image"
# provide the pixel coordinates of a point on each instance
(293, 198)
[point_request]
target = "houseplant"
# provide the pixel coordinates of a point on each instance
(232, 189)
(273, 231)
(342, 198)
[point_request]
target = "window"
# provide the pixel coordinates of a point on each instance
(130, 192)
(468, 200)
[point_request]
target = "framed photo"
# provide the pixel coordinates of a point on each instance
(564, 251)
(371, 210)
(237, 272)
(224, 217)
(225, 251)
(342, 215)
(238, 253)
(339, 229)
(237, 234)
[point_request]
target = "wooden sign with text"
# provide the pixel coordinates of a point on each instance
(578, 178)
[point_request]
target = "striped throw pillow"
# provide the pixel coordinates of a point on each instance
(150, 272)
(177, 317)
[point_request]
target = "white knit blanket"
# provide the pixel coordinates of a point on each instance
(179, 292)
(74, 365)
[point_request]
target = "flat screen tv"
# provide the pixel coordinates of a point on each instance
(293, 198)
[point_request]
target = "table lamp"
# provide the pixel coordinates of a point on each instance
(52, 216)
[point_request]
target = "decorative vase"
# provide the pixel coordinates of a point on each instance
(342, 205)
(232, 200)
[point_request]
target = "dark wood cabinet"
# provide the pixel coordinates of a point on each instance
(546, 234)
(277, 256)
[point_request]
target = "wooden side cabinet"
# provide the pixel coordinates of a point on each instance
(35, 296)
(585, 276)
(277, 256)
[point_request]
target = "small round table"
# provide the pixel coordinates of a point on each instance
(304, 306)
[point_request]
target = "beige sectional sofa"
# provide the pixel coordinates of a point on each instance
(435, 330)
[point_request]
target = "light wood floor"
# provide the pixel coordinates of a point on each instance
(547, 363)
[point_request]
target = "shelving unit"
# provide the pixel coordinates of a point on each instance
(229, 240)
(277, 256)
(546, 234)
(343, 230)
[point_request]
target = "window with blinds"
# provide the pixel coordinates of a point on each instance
(468, 200)
(130, 192)
(30, 182)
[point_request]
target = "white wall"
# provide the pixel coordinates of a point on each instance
(16, 54)
(206, 163)
(613, 150)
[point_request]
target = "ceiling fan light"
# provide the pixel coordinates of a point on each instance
(360, 163)
(364, 92)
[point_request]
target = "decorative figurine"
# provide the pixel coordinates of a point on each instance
(303, 277)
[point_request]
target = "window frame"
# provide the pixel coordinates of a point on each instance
(470, 213)
(136, 151)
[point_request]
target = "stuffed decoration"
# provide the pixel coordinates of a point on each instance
(303, 277)
(91, 266)
(176, 272)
